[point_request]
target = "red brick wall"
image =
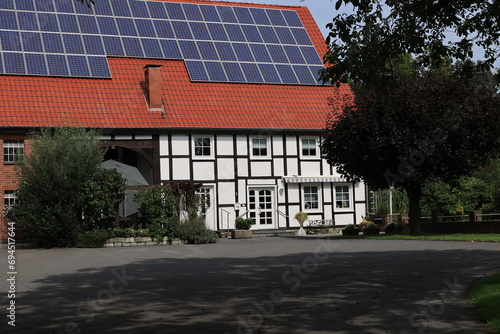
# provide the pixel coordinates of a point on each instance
(8, 181)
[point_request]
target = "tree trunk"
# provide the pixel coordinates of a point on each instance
(414, 192)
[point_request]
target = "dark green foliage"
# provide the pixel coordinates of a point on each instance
(394, 228)
(371, 229)
(158, 209)
(194, 231)
(243, 224)
(124, 233)
(51, 177)
(365, 45)
(432, 125)
(350, 230)
(92, 239)
(102, 194)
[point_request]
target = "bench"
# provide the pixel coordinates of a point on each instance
(317, 226)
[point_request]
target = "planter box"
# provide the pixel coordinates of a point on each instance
(241, 234)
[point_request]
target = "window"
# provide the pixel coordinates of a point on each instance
(342, 197)
(9, 199)
(311, 198)
(12, 149)
(203, 146)
(309, 147)
(259, 147)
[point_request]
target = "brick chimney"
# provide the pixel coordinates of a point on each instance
(153, 86)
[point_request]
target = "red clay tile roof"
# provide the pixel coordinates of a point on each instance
(120, 103)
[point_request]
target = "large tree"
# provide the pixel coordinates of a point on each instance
(53, 178)
(364, 44)
(432, 124)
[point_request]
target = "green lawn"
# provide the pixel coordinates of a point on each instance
(425, 236)
(486, 296)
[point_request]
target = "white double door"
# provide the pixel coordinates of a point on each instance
(261, 207)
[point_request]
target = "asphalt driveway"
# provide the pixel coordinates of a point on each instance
(260, 285)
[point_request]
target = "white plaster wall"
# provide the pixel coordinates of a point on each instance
(203, 170)
(311, 168)
(163, 145)
(242, 167)
(180, 144)
(292, 167)
(226, 193)
(242, 191)
(224, 145)
(327, 192)
(164, 169)
(291, 145)
(225, 168)
(279, 167)
(343, 219)
(277, 145)
(181, 168)
(293, 192)
(260, 168)
(241, 145)
(359, 188)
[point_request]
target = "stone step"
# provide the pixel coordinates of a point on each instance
(271, 233)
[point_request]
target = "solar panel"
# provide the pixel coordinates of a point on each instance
(192, 11)
(215, 71)
(139, 9)
(145, 28)
(25, 5)
(196, 70)
(227, 14)
(58, 65)
(152, 48)
(14, 63)
(207, 50)
(234, 72)
(32, 42)
(8, 20)
(36, 64)
(218, 42)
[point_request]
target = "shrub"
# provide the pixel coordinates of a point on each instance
(92, 239)
(164, 228)
(394, 228)
(364, 223)
(124, 232)
(194, 231)
(350, 230)
(371, 228)
(243, 224)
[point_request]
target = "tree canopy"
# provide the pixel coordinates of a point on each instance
(431, 125)
(364, 45)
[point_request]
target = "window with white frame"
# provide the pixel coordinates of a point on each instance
(260, 147)
(9, 199)
(202, 147)
(342, 197)
(311, 197)
(309, 147)
(12, 150)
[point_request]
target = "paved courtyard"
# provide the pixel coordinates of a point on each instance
(260, 285)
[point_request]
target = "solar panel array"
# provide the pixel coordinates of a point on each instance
(218, 43)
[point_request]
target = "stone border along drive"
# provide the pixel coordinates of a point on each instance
(139, 241)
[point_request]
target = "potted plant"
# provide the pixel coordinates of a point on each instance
(243, 230)
(301, 218)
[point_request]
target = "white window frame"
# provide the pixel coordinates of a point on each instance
(350, 207)
(11, 148)
(305, 191)
(9, 199)
(301, 143)
(268, 148)
(211, 146)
